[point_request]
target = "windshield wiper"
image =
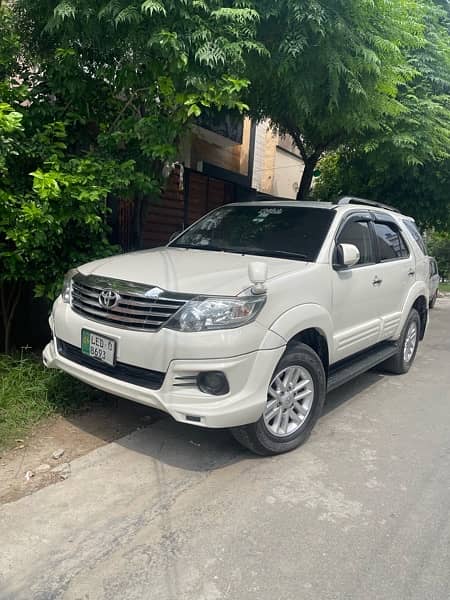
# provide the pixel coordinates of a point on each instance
(287, 254)
(199, 247)
(249, 250)
(274, 253)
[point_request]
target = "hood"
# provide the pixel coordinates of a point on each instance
(187, 270)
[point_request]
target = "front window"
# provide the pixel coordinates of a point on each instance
(280, 231)
(358, 234)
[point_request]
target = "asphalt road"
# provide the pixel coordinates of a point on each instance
(362, 511)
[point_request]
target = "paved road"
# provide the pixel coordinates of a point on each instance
(175, 513)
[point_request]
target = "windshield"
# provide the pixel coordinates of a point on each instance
(281, 231)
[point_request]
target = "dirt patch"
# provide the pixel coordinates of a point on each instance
(76, 435)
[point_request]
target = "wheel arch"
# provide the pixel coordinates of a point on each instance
(310, 324)
(418, 298)
(316, 339)
(421, 305)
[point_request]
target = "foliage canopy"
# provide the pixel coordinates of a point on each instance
(94, 97)
(334, 70)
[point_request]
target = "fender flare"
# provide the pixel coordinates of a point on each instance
(302, 317)
(417, 290)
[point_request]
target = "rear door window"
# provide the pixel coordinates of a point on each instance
(391, 245)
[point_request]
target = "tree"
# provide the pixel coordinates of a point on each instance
(420, 132)
(94, 96)
(333, 72)
(439, 247)
(406, 162)
(419, 190)
(128, 76)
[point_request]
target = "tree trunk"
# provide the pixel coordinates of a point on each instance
(9, 299)
(307, 177)
(136, 242)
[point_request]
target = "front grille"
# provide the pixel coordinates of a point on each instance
(139, 307)
(129, 373)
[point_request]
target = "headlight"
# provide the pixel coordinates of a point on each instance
(66, 292)
(204, 314)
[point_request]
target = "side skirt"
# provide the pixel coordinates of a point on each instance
(355, 365)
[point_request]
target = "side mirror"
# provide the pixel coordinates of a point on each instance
(346, 255)
(257, 273)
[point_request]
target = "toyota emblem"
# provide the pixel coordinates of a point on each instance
(108, 299)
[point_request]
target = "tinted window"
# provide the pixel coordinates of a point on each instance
(358, 234)
(280, 231)
(412, 228)
(390, 243)
(433, 267)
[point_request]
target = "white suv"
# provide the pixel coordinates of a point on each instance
(249, 317)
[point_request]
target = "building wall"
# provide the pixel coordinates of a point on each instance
(288, 170)
(258, 162)
(208, 146)
(278, 166)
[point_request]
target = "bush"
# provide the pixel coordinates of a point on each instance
(439, 247)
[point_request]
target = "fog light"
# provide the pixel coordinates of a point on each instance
(213, 382)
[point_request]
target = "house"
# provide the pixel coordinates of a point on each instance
(277, 164)
(224, 158)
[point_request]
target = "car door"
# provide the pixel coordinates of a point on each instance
(396, 269)
(355, 312)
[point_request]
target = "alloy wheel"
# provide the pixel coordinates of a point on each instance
(410, 342)
(289, 402)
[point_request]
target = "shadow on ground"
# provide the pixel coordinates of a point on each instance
(196, 449)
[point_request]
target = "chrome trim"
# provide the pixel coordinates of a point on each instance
(140, 307)
(109, 315)
(124, 310)
(185, 381)
(128, 287)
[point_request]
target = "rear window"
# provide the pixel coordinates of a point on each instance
(433, 267)
(412, 228)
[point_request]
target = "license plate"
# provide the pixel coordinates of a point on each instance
(99, 347)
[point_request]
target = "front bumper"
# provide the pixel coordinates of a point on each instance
(248, 375)
(247, 356)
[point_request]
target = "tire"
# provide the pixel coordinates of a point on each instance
(433, 299)
(403, 359)
(299, 368)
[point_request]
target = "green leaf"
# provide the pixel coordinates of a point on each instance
(152, 7)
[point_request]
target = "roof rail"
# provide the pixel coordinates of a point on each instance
(353, 200)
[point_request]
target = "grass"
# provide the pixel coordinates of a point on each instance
(444, 287)
(29, 392)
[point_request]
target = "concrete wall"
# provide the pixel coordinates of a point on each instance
(277, 167)
(288, 170)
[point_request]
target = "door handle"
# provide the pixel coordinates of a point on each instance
(377, 281)
(411, 272)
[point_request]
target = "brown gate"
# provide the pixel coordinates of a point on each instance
(181, 205)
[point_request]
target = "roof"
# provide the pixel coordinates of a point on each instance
(343, 204)
(293, 203)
